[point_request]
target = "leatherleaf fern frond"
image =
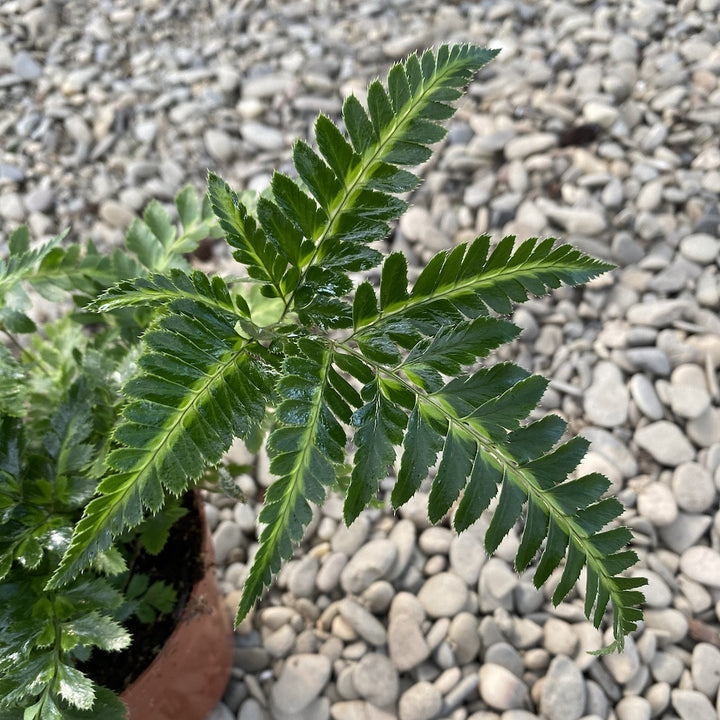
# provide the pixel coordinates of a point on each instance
(306, 448)
(398, 371)
(201, 385)
(405, 346)
(303, 239)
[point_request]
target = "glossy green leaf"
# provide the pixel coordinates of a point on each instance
(421, 446)
(380, 426)
(510, 503)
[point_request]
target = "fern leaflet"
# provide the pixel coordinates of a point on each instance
(201, 386)
(306, 446)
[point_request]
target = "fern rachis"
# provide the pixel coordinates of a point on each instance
(399, 367)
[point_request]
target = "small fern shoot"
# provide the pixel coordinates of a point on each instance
(397, 370)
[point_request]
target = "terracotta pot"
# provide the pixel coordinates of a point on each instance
(188, 677)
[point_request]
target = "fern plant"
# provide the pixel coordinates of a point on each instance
(211, 372)
(341, 379)
(59, 402)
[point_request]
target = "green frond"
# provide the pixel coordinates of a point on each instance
(22, 258)
(317, 353)
(464, 282)
(474, 424)
(155, 239)
(262, 259)
(160, 289)
(12, 379)
(305, 447)
(344, 198)
(200, 386)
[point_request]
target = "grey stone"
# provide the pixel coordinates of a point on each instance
(318, 709)
(406, 643)
(704, 430)
(658, 313)
(463, 637)
(688, 401)
(693, 487)
(219, 144)
(523, 146)
(251, 659)
(115, 214)
(414, 222)
(559, 637)
(692, 705)
(226, 537)
(666, 668)
(501, 689)
(467, 557)
(244, 516)
(262, 136)
(302, 580)
(645, 397)
(633, 708)
(25, 67)
(357, 710)
(146, 131)
(435, 540)
(41, 200)
(11, 173)
(589, 639)
(378, 596)
(700, 248)
(647, 359)
(251, 709)
(496, 585)
(448, 680)
(443, 595)
(502, 653)
(597, 704)
(668, 622)
(376, 680)
(705, 669)
(421, 701)
(366, 625)
(281, 642)
(656, 503)
(665, 442)
(403, 535)
(684, 531)
(348, 540)
(405, 603)
(623, 666)
(701, 564)
(301, 680)
(658, 695)
(580, 221)
(606, 401)
(563, 692)
(457, 696)
(657, 593)
(370, 563)
(616, 451)
(221, 712)
(267, 86)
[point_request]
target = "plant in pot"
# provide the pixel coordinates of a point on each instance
(63, 652)
(113, 413)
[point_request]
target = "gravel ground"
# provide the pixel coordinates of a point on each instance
(105, 104)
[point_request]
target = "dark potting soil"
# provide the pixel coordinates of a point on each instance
(180, 565)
